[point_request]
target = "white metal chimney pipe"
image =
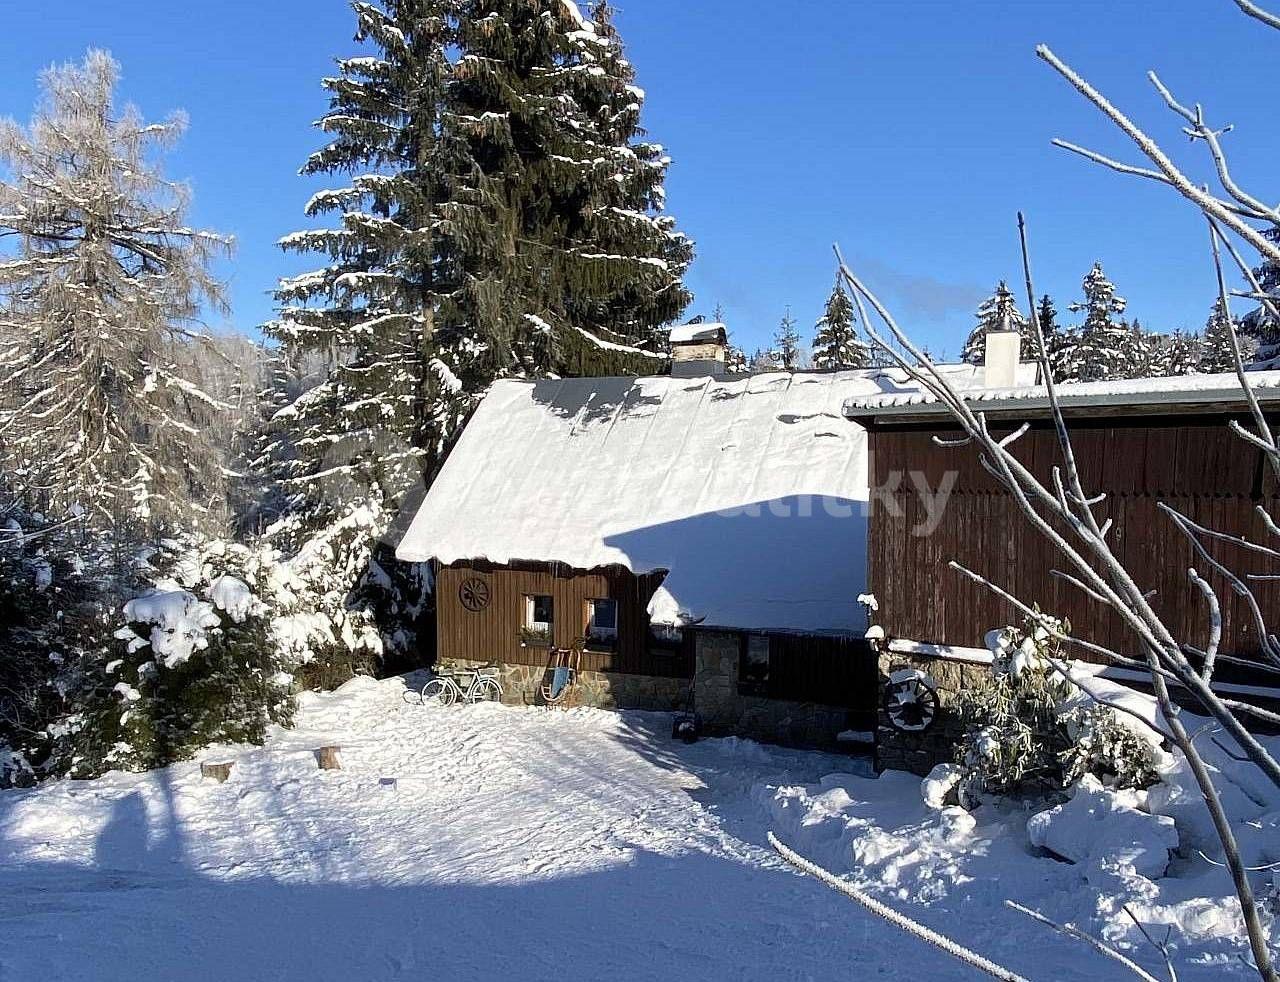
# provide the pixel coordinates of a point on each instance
(1004, 350)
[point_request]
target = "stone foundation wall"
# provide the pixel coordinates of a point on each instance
(724, 710)
(521, 685)
(919, 752)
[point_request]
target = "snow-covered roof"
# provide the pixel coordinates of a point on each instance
(1190, 391)
(749, 491)
(687, 333)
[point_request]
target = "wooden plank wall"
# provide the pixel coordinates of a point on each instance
(493, 634)
(1194, 465)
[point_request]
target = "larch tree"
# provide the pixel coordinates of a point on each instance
(999, 312)
(1105, 346)
(101, 296)
(836, 343)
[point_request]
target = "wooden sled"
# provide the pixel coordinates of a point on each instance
(561, 688)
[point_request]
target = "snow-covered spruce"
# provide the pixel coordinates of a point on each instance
(836, 343)
(425, 297)
(999, 312)
(787, 353)
(194, 664)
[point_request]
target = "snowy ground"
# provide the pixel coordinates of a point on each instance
(489, 842)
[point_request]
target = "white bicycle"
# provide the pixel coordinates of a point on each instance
(469, 686)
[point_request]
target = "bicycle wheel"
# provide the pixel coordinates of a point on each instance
(486, 690)
(439, 690)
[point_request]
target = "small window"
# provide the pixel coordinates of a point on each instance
(602, 620)
(753, 673)
(538, 619)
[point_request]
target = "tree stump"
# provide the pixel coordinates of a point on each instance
(327, 758)
(219, 771)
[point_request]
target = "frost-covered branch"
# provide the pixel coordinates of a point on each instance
(1100, 946)
(1091, 560)
(1227, 213)
(919, 931)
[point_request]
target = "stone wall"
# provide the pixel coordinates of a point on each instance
(521, 685)
(723, 710)
(919, 752)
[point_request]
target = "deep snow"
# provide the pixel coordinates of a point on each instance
(488, 842)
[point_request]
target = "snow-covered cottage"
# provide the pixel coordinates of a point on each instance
(705, 533)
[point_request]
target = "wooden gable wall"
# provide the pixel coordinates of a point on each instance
(1193, 464)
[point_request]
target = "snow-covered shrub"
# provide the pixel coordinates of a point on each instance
(1099, 744)
(1030, 730)
(194, 664)
(344, 605)
(15, 769)
(943, 786)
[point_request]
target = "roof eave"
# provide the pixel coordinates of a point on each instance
(1115, 403)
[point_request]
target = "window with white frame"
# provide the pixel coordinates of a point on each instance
(602, 620)
(539, 616)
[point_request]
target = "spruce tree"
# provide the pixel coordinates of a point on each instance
(1179, 354)
(1047, 317)
(836, 344)
(573, 262)
(101, 414)
(499, 217)
(1142, 353)
(786, 344)
(999, 312)
(1104, 348)
(1259, 325)
(1215, 348)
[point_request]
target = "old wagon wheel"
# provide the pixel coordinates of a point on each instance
(474, 594)
(910, 701)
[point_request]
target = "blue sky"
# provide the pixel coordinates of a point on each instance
(910, 133)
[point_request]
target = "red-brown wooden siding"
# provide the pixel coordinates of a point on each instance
(1195, 465)
(493, 634)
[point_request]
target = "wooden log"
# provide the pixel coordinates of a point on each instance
(327, 758)
(219, 771)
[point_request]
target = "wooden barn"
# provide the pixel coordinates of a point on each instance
(1141, 442)
(705, 534)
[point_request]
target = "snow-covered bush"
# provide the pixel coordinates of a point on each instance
(194, 664)
(1031, 730)
(343, 605)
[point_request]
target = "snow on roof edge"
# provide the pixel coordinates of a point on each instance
(1174, 390)
(686, 333)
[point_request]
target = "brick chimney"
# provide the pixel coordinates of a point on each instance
(698, 350)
